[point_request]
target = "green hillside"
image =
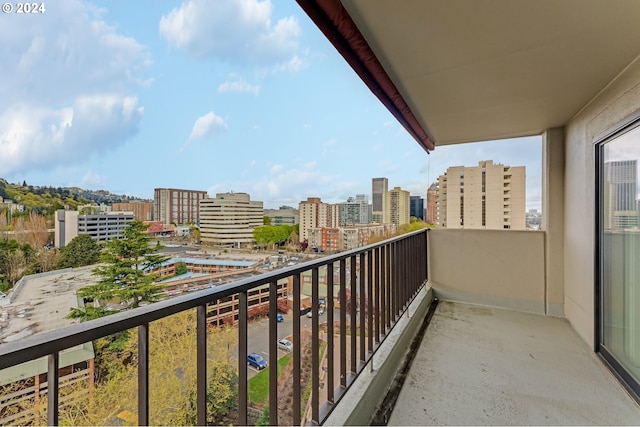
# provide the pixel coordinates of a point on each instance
(46, 200)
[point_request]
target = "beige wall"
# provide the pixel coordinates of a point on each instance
(500, 268)
(617, 101)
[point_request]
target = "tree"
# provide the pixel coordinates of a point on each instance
(181, 268)
(46, 260)
(15, 265)
(194, 233)
(37, 233)
(81, 250)
(172, 376)
(266, 220)
(124, 274)
(19, 231)
(272, 234)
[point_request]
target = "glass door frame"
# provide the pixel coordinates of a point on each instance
(630, 383)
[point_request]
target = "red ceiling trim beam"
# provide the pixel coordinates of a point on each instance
(336, 24)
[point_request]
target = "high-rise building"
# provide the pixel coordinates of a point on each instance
(355, 211)
(171, 205)
(315, 214)
(489, 195)
(416, 208)
(143, 211)
(229, 219)
(620, 194)
(396, 207)
(432, 204)
(379, 187)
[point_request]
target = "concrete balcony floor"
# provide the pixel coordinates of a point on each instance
(486, 366)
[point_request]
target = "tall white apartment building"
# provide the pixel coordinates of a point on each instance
(490, 196)
(397, 207)
(99, 226)
(315, 214)
(229, 219)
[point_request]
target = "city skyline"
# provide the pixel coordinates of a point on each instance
(127, 98)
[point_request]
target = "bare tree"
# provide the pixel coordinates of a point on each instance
(19, 234)
(37, 234)
(47, 259)
(15, 265)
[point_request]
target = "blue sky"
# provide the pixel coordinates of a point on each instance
(244, 96)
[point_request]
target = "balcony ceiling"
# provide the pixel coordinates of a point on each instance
(472, 70)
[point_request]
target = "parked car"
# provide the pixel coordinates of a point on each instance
(285, 344)
(279, 317)
(310, 313)
(257, 361)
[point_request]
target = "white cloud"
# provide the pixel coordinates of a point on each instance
(238, 31)
(207, 126)
(44, 138)
(92, 180)
(239, 85)
(67, 88)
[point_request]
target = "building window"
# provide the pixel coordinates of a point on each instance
(618, 250)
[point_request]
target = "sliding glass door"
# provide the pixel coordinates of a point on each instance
(618, 224)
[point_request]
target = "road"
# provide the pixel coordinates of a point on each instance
(258, 336)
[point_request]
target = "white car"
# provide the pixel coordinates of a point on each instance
(285, 344)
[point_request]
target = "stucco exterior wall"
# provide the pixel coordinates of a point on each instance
(617, 101)
(499, 268)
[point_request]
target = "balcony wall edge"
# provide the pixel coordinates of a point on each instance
(368, 391)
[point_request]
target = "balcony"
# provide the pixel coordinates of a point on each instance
(476, 344)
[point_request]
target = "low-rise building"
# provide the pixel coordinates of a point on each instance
(100, 227)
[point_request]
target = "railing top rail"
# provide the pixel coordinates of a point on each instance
(46, 343)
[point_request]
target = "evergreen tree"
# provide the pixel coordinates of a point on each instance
(81, 250)
(123, 273)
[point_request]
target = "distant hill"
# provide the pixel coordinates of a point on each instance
(46, 200)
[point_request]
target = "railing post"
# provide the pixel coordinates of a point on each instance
(52, 389)
(273, 353)
(330, 334)
(363, 309)
(297, 343)
(242, 359)
(354, 315)
(201, 364)
(315, 348)
(143, 374)
(370, 298)
(343, 323)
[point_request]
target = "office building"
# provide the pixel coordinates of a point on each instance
(229, 219)
(143, 211)
(396, 207)
(487, 196)
(355, 211)
(100, 226)
(379, 187)
(283, 216)
(416, 208)
(315, 214)
(171, 205)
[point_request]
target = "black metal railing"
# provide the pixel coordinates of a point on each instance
(373, 286)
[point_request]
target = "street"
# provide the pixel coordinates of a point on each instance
(258, 336)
